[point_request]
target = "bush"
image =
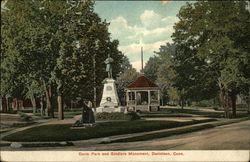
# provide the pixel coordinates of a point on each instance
(133, 115)
(215, 108)
(27, 111)
(117, 116)
(24, 117)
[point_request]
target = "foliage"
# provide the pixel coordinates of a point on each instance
(124, 79)
(151, 68)
(160, 69)
(212, 50)
(50, 46)
(83, 40)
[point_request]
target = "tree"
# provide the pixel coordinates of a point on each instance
(128, 76)
(160, 69)
(55, 44)
(83, 45)
(26, 32)
(211, 45)
(18, 47)
(125, 64)
(151, 68)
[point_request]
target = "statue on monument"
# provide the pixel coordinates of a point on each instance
(110, 100)
(108, 62)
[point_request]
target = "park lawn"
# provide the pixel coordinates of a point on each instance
(154, 115)
(67, 114)
(62, 132)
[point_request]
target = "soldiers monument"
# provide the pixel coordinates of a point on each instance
(110, 101)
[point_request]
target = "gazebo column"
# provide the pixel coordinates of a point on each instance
(127, 98)
(149, 100)
(135, 100)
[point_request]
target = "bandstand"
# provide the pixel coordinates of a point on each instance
(142, 95)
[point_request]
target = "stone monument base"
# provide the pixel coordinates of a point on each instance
(110, 109)
(110, 101)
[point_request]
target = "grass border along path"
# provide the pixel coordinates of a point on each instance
(178, 131)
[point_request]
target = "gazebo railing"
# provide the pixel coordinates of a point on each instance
(131, 102)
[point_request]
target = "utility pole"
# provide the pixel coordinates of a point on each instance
(141, 59)
(94, 73)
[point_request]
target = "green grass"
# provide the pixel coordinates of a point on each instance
(3, 130)
(4, 144)
(62, 132)
(154, 115)
(179, 131)
(68, 114)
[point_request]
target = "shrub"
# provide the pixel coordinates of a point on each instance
(117, 116)
(133, 115)
(215, 108)
(24, 117)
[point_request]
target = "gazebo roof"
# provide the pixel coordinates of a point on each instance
(142, 82)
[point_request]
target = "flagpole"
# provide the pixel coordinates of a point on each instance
(141, 59)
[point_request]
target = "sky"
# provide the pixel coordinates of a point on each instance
(136, 24)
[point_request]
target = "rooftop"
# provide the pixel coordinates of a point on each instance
(142, 82)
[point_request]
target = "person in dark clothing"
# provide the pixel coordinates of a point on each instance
(87, 114)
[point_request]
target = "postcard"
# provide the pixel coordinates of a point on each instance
(159, 81)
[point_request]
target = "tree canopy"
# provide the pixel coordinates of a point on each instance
(55, 44)
(211, 53)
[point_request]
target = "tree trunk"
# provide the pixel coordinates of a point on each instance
(233, 100)
(48, 103)
(33, 102)
(224, 101)
(60, 106)
(226, 105)
(71, 105)
(248, 108)
(7, 104)
(182, 104)
(52, 114)
(2, 108)
(15, 104)
(248, 102)
(41, 105)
